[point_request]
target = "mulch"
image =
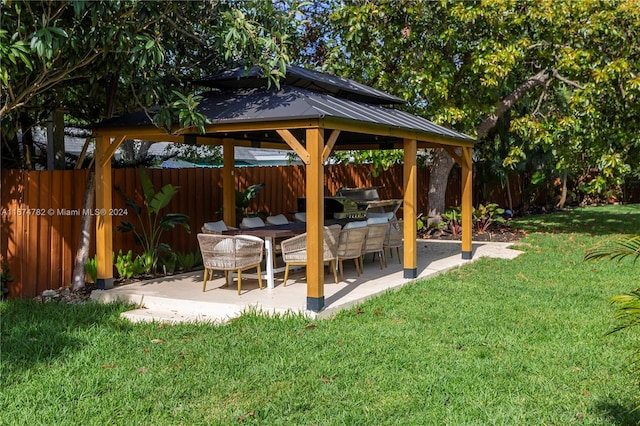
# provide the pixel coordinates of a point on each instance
(500, 232)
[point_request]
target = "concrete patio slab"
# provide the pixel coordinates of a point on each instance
(180, 298)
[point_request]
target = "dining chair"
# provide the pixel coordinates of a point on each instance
(294, 250)
(350, 245)
(230, 253)
(374, 241)
(394, 238)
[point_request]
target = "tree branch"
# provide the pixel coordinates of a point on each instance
(508, 102)
(557, 75)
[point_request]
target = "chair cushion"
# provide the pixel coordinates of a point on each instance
(279, 219)
(251, 222)
(218, 226)
(300, 216)
(376, 220)
(356, 224)
(387, 215)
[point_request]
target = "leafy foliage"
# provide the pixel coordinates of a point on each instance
(91, 268)
(151, 228)
(5, 278)
(485, 215)
(127, 266)
(547, 87)
(102, 58)
(189, 261)
(243, 200)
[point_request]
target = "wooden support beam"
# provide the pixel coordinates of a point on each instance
(315, 220)
(452, 152)
(467, 203)
(409, 208)
(296, 145)
(111, 148)
(104, 226)
(83, 153)
(228, 183)
(326, 152)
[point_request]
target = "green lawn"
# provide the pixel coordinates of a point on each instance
(507, 342)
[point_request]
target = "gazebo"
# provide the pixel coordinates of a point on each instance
(311, 113)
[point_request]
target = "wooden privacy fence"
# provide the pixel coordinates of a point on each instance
(42, 210)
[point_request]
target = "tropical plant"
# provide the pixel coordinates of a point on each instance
(5, 278)
(453, 221)
(91, 268)
(627, 305)
(189, 261)
(243, 199)
(127, 266)
(485, 215)
(151, 228)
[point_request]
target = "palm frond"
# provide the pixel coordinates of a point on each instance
(616, 248)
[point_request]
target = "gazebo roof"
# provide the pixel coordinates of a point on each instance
(316, 81)
(243, 100)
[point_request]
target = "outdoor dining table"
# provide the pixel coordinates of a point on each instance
(269, 233)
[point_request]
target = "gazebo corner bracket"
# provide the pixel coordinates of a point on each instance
(326, 152)
(113, 146)
(291, 140)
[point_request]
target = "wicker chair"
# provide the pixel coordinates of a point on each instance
(230, 253)
(294, 250)
(215, 227)
(350, 247)
(394, 238)
(374, 242)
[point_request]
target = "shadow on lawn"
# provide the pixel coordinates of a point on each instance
(34, 333)
(619, 414)
(593, 221)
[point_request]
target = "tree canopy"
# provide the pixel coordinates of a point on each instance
(94, 59)
(547, 87)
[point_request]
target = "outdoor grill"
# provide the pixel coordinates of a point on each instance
(355, 204)
(368, 200)
(337, 208)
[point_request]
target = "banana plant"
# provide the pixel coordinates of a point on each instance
(152, 225)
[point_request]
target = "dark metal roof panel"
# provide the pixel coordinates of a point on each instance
(239, 78)
(291, 103)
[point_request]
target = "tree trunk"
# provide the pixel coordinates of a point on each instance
(89, 197)
(438, 179)
(509, 198)
(84, 243)
(563, 195)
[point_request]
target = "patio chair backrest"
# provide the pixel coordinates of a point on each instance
(230, 252)
(356, 224)
(251, 222)
(278, 219)
(215, 227)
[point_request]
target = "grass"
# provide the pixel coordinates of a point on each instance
(504, 342)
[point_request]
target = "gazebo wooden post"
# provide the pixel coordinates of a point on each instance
(228, 183)
(104, 227)
(315, 220)
(409, 214)
(467, 202)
